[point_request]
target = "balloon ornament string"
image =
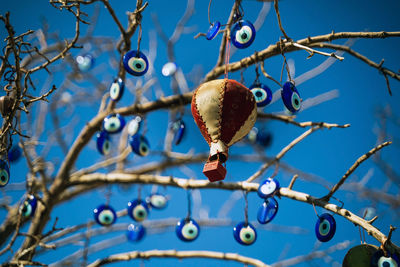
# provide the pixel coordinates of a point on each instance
(246, 209)
(189, 201)
(227, 55)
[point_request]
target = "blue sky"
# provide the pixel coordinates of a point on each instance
(326, 153)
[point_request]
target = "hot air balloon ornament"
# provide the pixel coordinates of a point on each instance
(225, 111)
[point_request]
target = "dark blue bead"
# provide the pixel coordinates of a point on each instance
(379, 259)
(104, 215)
(113, 123)
(14, 154)
(139, 145)
(243, 34)
(291, 98)
(135, 63)
(178, 128)
(268, 188)
(187, 230)
(245, 234)
(103, 143)
(4, 173)
(262, 94)
(267, 211)
(28, 207)
(138, 210)
(135, 232)
(325, 227)
(117, 89)
(213, 30)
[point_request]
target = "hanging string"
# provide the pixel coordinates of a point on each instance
(209, 6)
(189, 201)
(315, 209)
(246, 207)
(227, 55)
(108, 195)
(257, 80)
(139, 37)
(139, 192)
(241, 75)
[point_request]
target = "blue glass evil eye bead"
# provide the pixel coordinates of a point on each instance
(380, 260)
(187, 230)
(268, 188)
(213, 30)
(245, 234)
(113, 123)
(4, 173)
(135, 63)
(103, 143)
(291, 98)
(105, 215)
(28, 207)
(135, 125)
(243, 34)
(85, 62)
(262, 94)
(138, 210)
(117, 89)
(157, 201)
(139, 145)
(267, 211)
(178, 127)
(135, 232)
(325, 227)
(14, 154)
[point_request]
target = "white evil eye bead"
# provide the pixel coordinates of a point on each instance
(213, 30)
(262, 94)
(252, 135)
(267, 211)
(379, 259)
(113, 123)
(85, 62)
(134, 125)
(245, 234)
(103, 143)
(325, 227)
(187, 230)
(117, 89)
(157, 201)
(243, 34)
(14, 154)
(138, 210)
(135, 232)
(178, 127)
(169, 69)
(4, 173)
(268, 188)
(28, 207)
(104, 215)
(135, 63)
(290, 97)
(139, 145)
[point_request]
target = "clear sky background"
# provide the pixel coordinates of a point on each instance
(326, 153)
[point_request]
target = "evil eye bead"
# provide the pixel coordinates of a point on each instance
(245, 234)
(117, 89)
(264, 138)
(291, 98)
(135, 232)
(169, 69)
(268, 188)
(103, 143)
(135, 125)
(213, 30)
(267, 211)
(135, 63)
(187, 230)
(4, 173)
(325, 227)
(380, 260)
(138, 210)
(157, 201)
(243, 34)
(139, 145)
(105, 215)
(113, 123)
(262, 94)
(178, 127)
(28, 207)
(14, 154)
(85, 62)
